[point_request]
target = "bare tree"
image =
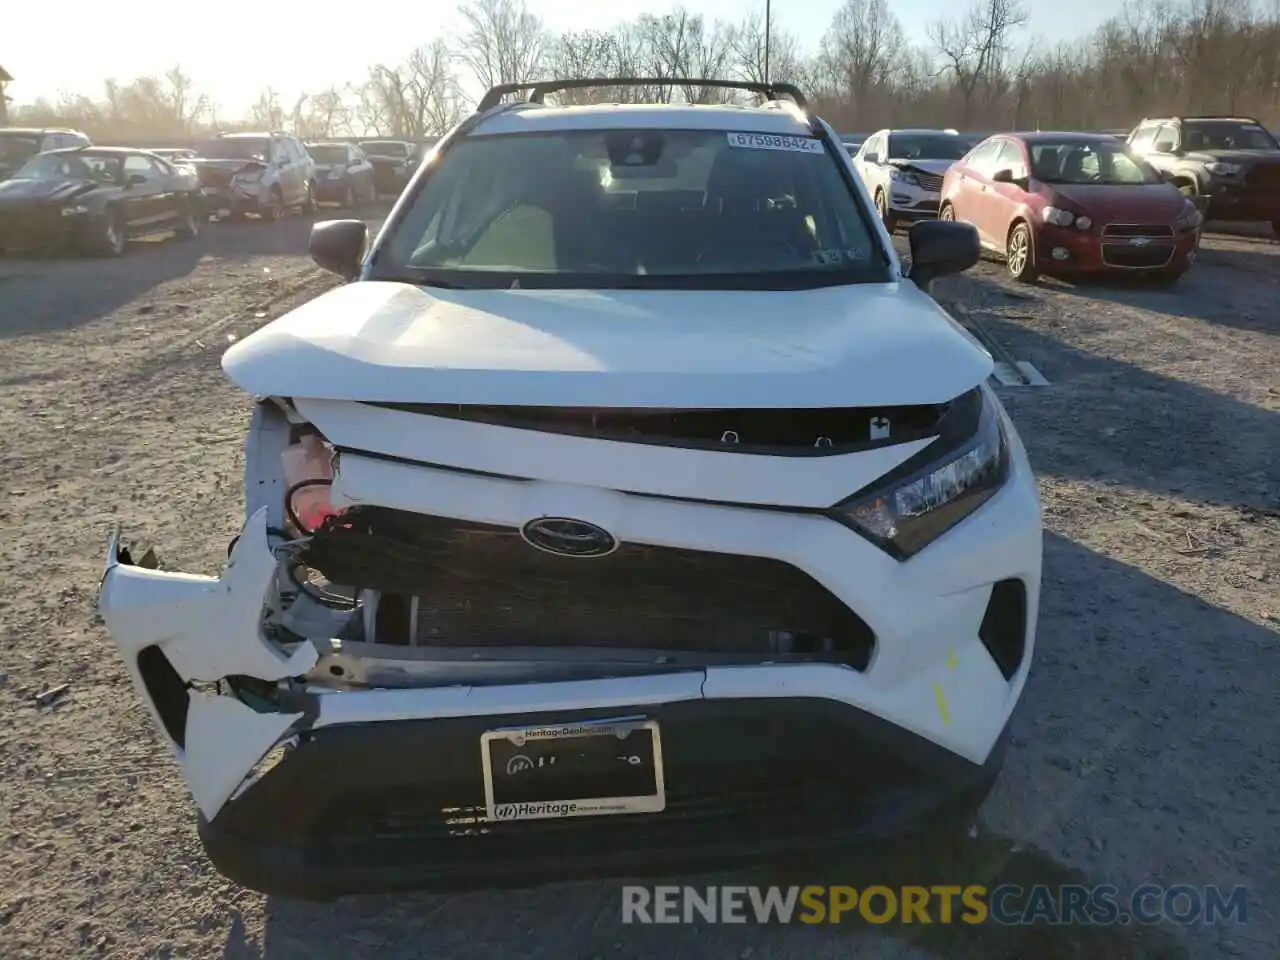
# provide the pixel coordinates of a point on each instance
(502, 43)
(974, 47)
(859, 54)
(748, 45)
(266, 112)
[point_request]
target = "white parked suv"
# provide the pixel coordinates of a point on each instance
(628, 508)
(903, 170)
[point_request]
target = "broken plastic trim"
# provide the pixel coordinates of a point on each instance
(207, 629)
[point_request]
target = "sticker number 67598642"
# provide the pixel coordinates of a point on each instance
(771, 141)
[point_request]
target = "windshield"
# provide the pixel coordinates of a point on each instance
(15, 147)
(638, 209)
(1088, 162)
(328, 153)
(928, 146)
(71, 166)
(376, 148)
(1226, 135)
(227, 149)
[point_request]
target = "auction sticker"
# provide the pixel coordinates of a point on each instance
(772, 141)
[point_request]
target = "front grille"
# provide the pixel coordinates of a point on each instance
(483, 585)
(930, 181)
(1155, 254)
(1137, 230)
(1263, 176)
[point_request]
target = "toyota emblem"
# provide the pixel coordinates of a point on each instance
(566, 537)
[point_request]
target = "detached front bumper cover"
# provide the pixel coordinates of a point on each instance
(204, 629)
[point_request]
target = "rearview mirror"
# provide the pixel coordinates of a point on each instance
(941, 247)
(338, 246)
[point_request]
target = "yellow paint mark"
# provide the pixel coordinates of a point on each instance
(943, 709)
(952, 662)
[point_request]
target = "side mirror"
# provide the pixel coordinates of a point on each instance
(1165, 146)
(941, 247)
(1166, 175)
(871, 158)
(1003, 176)
(338, 246)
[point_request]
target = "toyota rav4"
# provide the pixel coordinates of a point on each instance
(630, 507)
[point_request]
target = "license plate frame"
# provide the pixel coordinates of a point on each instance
(505, 803)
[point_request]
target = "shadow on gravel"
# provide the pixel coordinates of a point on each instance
(1138, 753)
(52, 294)
(1195, 296)
(1138, 428)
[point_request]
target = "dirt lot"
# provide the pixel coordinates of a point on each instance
(1145, 749)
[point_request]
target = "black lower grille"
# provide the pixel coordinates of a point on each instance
(483, 585)
(1127, 255)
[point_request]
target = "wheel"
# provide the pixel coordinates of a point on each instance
(947, 213)
(274, 209)
(309, 199)
(882, 208)
(108, 236)
(189, 226)
(1020, 254)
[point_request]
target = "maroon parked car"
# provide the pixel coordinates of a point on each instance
(1071, 203)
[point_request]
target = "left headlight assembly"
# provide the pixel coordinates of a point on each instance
(917, 503)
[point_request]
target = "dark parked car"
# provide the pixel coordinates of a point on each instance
(1071, 203)
(393, 163)
(344, 174)
(93, 199)
(20, 144)
(1233, 163)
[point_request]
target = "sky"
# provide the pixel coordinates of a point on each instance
(235, 59)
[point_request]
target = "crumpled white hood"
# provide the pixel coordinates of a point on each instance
(392, 342)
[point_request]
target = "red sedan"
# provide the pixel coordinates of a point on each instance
(1071, 203)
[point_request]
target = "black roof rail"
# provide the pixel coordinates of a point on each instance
(540, 88)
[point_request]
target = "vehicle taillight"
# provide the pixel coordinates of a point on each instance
(308, 475)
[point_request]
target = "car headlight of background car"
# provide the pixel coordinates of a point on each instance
(1065, 218)
(75, 211)
(917, 503)
(1220, 169)
(902, 176)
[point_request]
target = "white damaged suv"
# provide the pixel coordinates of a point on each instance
(630, 508)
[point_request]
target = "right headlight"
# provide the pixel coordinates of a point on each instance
(1056, 215)
(918, 502)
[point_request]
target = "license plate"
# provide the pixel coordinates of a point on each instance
(586, 769)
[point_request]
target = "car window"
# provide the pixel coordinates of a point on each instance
(1225, 135)
(982, 159)
(1144, 138)
(71, 166)
(925, 146)
(1010, 158)
(135, 164)
(1166, 136)
(1083, 162)
(639, 207)
(328, 153)
(239, 148)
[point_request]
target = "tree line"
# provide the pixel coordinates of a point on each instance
(978, 70)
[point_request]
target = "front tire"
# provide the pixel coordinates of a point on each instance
(882, 208)
(274, 209)
(309, 199)
(947, 213)
(189, 226)
(1020, 254)
(108, 234)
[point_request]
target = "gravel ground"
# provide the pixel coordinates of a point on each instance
(1144, 750)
